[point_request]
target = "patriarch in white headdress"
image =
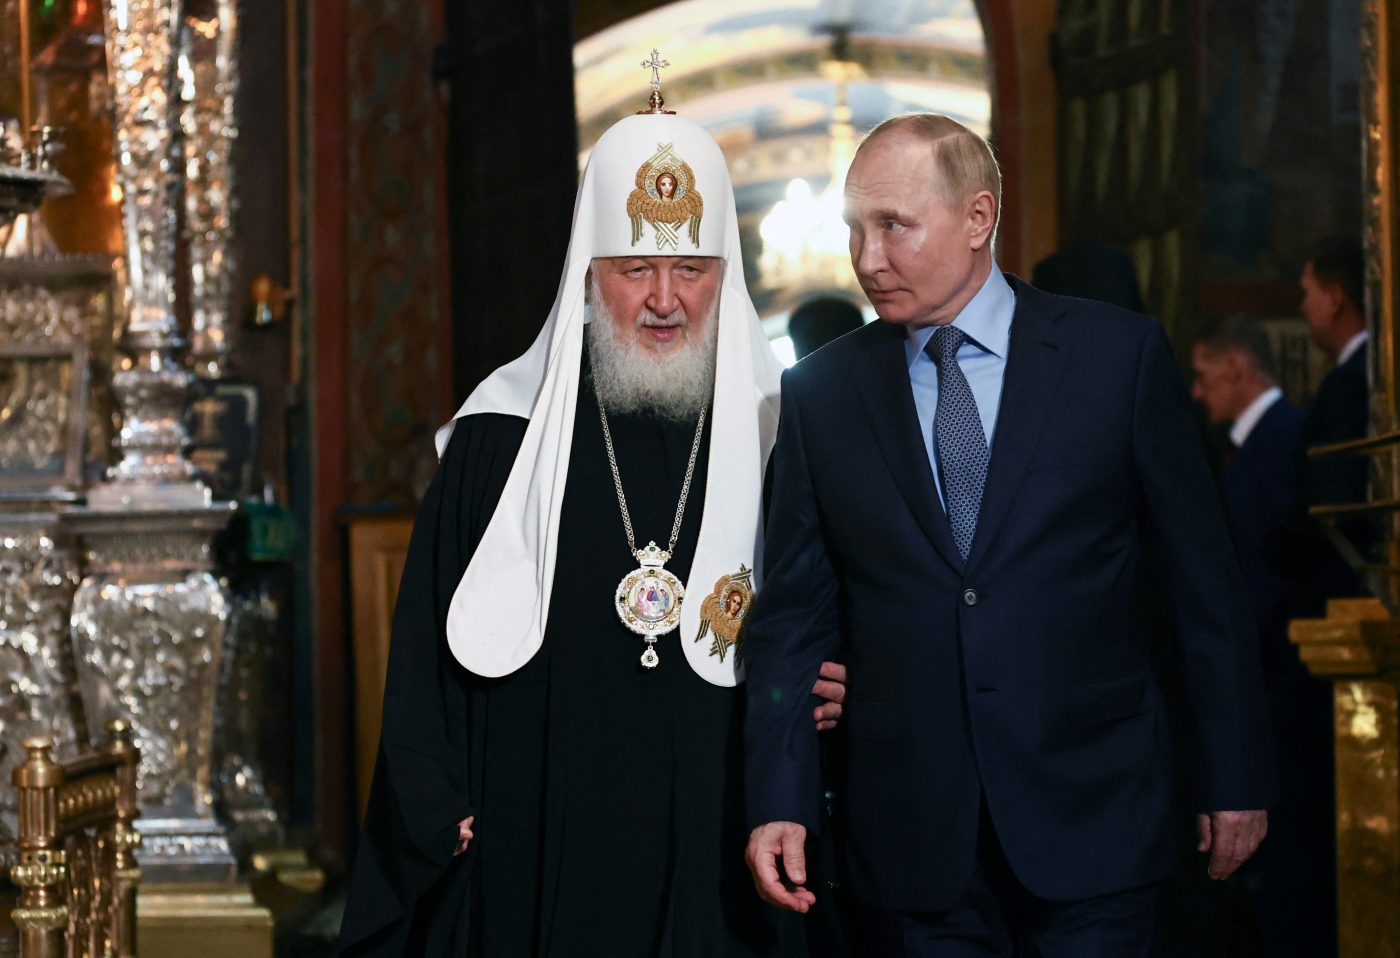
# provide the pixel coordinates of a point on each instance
(655, 185)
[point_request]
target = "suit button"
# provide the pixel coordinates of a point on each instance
(970, 597)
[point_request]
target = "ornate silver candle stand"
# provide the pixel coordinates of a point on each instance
(142, 56)
(149, 622)
(27, 178)
(210, 126)
(241, 776)
(51, 307)
(38, 692)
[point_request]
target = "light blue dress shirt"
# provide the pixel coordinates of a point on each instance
(986, 322)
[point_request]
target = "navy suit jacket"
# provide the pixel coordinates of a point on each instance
(1339, 411)
(1021, 674)
(1261, 491)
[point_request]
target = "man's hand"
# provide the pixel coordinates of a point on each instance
(1230, 837)
(780, 842)
(464, 834)
(831, 685)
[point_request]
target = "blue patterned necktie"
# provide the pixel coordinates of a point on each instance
(958, 436)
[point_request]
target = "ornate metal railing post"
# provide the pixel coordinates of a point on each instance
(125, 837)
(42, 871)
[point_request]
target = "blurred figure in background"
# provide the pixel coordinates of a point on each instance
(1236, 381)
(1191, 909)
(820, 320)
(1090, 271)
(1333, 296)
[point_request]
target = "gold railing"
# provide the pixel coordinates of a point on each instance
(1382, 579)
(77, 870)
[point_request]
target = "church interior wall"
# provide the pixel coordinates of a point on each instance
(345, 201)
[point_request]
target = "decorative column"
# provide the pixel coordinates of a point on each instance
(149, 616)
(210, 84)
(1357, 647)
(49, 307)
(210, 125)
(142, 56)
(243, 708)
(41, 872)
(38, 691)
(149, 620)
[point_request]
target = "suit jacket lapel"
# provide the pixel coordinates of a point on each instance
(882, 382)
(1034, 361)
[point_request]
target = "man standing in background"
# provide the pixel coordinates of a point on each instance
(1333, 284)
(1236, 381)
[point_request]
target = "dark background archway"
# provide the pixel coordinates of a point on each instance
(512, 171)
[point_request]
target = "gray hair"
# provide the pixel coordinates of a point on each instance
(1244, 335)
(962, 160)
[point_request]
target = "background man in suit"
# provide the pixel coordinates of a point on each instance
(1236, 382)
(959, 496)
(1333, 294)
(820, 320)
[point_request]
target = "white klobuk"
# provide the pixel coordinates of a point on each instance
(627, 206)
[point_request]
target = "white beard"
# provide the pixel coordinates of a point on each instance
(630, 378)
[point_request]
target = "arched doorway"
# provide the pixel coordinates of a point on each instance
(1018, 74)
(785, 88)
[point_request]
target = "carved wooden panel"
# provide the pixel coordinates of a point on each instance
(1128, 172)
(378, 548)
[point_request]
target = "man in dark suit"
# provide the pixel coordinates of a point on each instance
(1332, 284)
(1235, 380)
(959, 496)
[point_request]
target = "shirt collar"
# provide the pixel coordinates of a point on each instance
(1353, 344)
(986, 319)
(1244, 425)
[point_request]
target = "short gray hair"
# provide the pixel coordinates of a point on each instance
(963, 160)
(1244, 335)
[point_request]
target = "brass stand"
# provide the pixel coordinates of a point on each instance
(209, 920)
(1357, 648)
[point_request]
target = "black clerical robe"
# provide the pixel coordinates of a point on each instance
(607, 798)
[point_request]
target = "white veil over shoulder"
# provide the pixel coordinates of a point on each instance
(620, 211)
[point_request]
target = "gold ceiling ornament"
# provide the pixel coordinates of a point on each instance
(666, 198)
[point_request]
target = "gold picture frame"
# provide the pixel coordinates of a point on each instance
(43, 418)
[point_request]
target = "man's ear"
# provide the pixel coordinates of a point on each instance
(981, 219)
(1336, 297)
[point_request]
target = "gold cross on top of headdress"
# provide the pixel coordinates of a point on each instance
(655, 65)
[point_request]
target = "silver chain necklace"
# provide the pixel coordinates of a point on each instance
(648, 599)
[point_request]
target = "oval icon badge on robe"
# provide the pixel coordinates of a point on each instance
(725, 611)
(649, 601)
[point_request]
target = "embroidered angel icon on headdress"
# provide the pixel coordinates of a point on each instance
(666, 198)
